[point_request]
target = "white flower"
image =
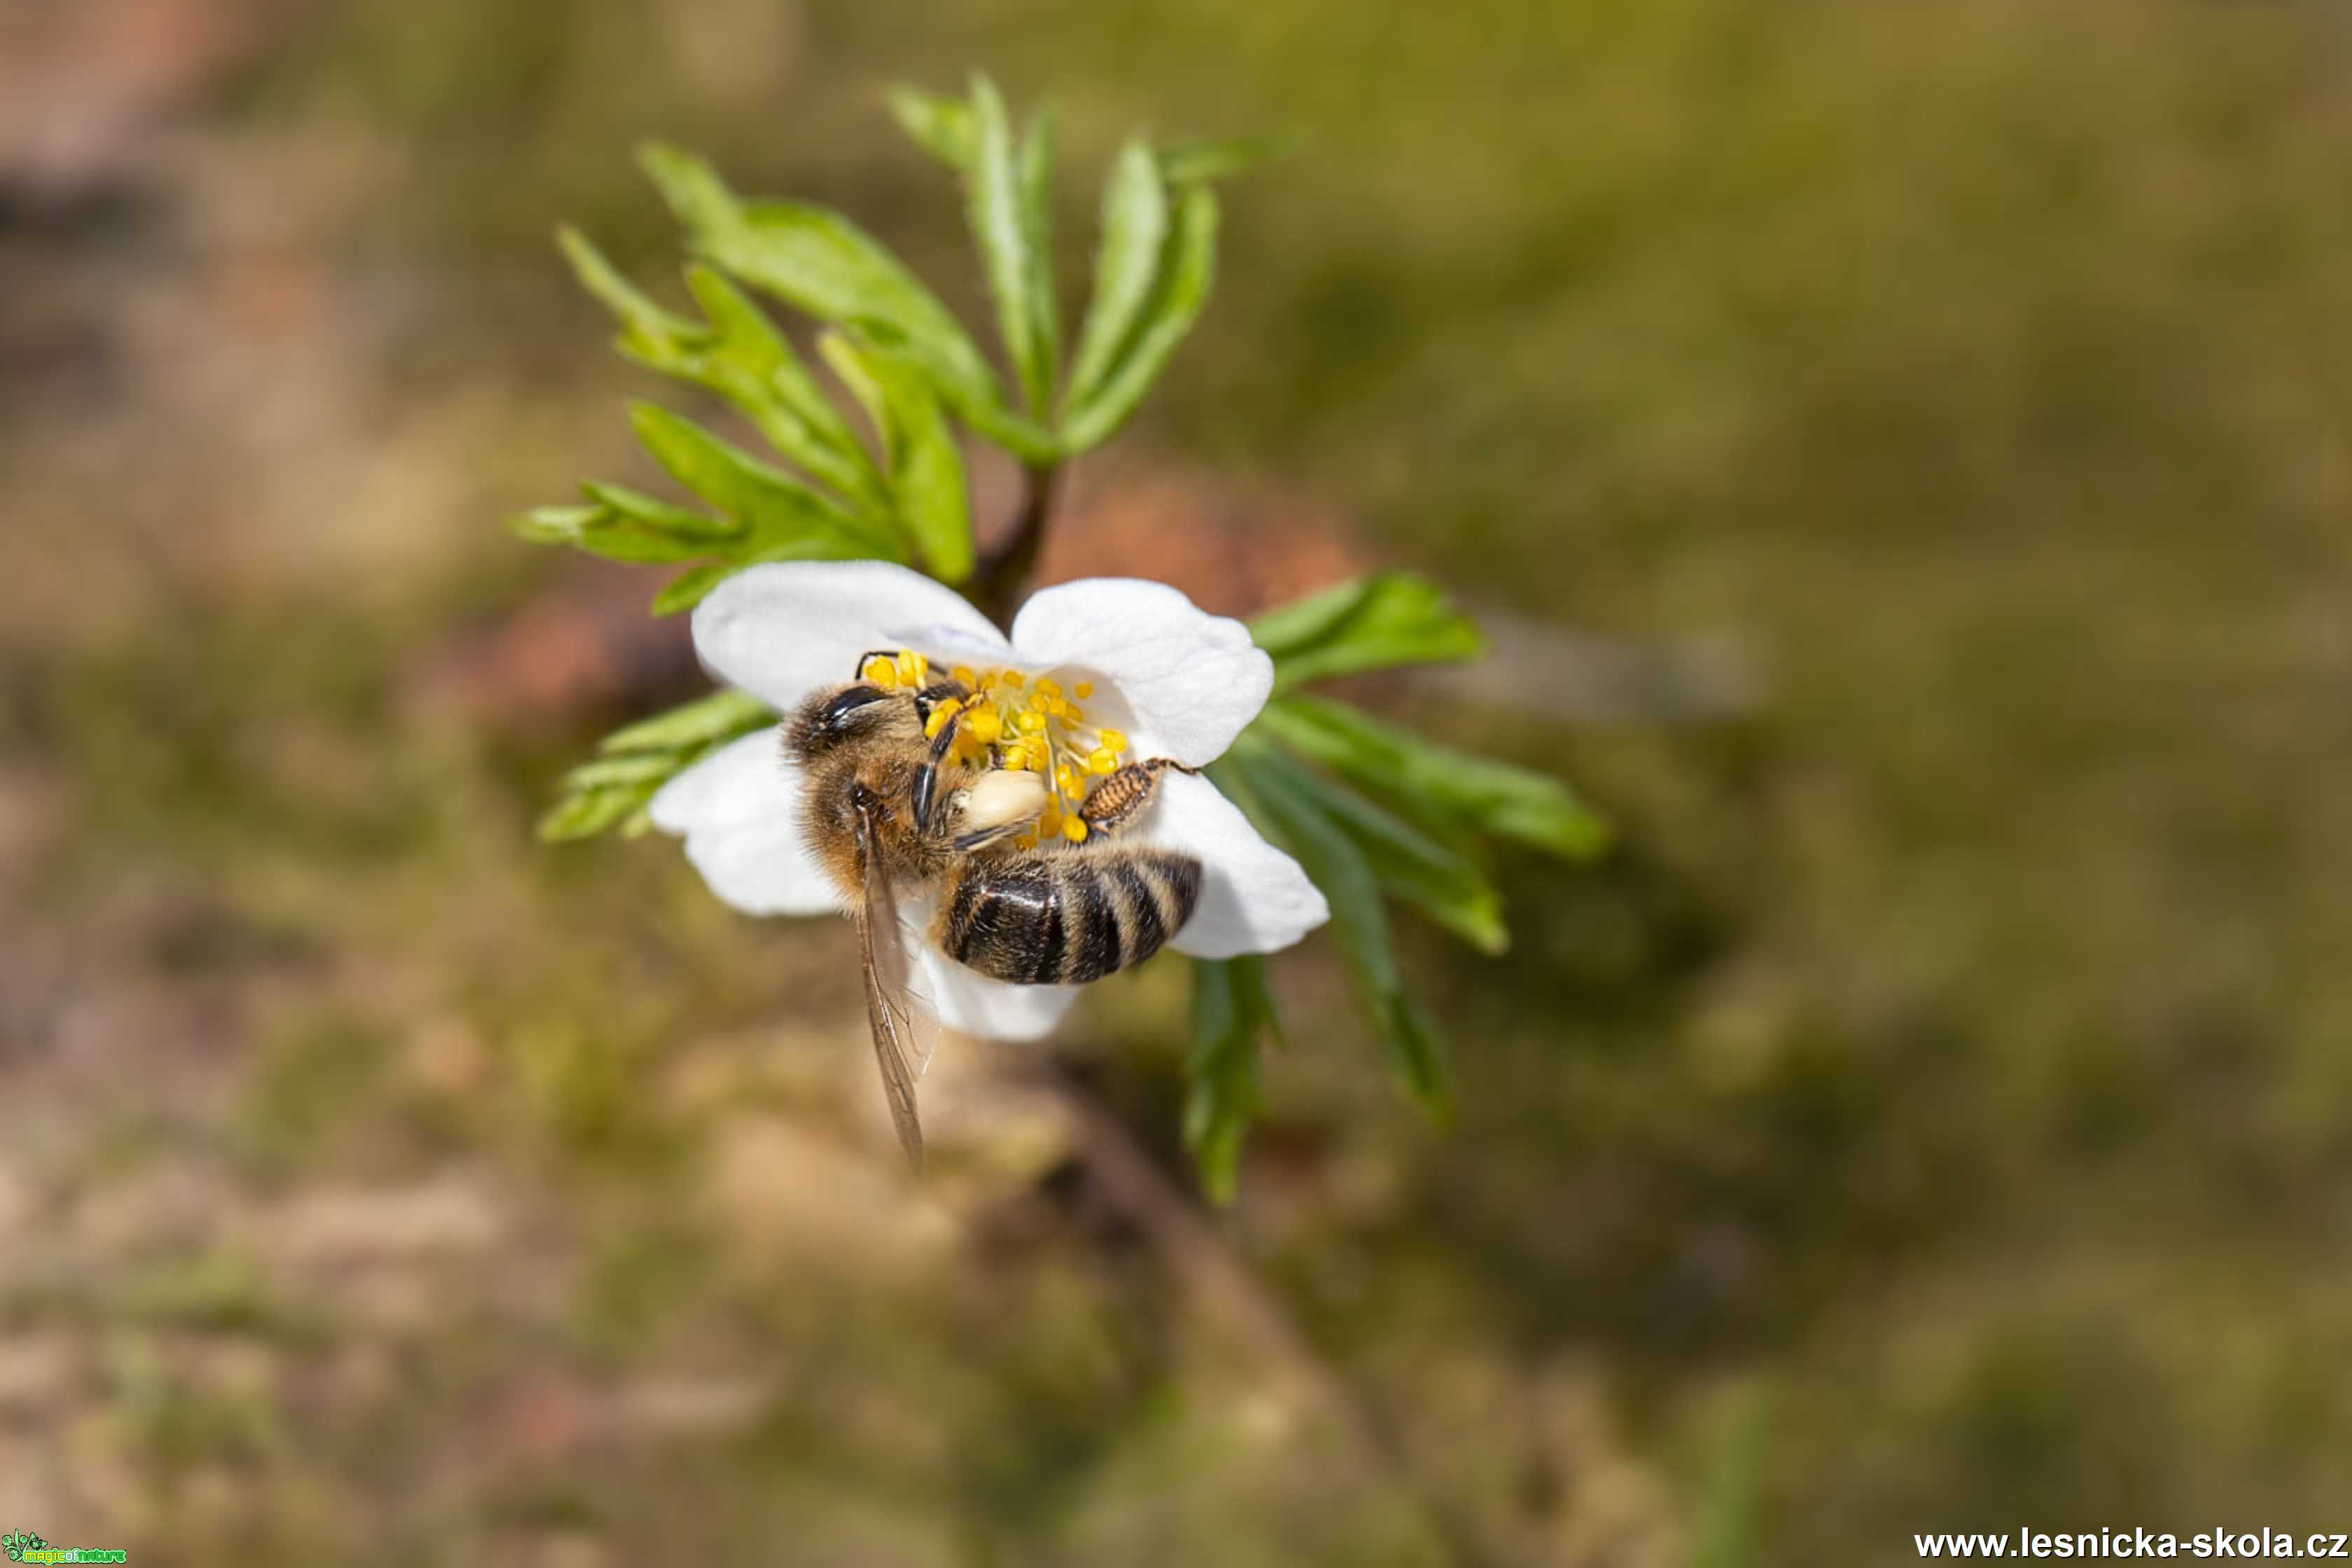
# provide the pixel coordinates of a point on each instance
(1155, 672)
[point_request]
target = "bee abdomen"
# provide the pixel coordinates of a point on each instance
(1066, 919)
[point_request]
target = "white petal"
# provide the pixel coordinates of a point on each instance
(1253, 898)
(1190, 679)
(740, 809)
(782, 630)
(969, 1001)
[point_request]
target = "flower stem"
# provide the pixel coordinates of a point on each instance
(1001, 580)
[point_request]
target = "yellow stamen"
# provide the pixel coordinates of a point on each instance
(1102, 761)
(1073, 714)
(1073, 828)
(1111, 740)
(1029, 722)
(940, 717)
(963, 676)
(1083, 690)
(1010, 677)
(882, 672)
(913, 669)
(1065, 779)
(1047, 690)
(1025, 841)
(982, 724)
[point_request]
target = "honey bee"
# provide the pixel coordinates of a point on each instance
(892, 805)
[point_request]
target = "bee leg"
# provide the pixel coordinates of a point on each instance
(926, 777)
(1117, 798)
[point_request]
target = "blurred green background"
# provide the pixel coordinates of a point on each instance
(1903, 447)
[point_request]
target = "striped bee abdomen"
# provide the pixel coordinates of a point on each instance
(1065, 918)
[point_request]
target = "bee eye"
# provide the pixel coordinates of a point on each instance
(829, 720)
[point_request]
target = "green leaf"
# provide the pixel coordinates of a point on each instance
(926, 475)
(740, 356)
(1332, 860)
(1134, 226)
(1036, 172)
(650, 512)
(1409, 863)
(784, 516)
(721, 716)
(613, 531)
(640, 315)
(1231, 1007)
(760, 374)
(611, 790)
(1398, 766)
(1187, 268)
(944, 127)
(1215, 158)
(691, 586)
(628, 768)
(818, 261)
(1375, 622)
(585, 815)
(999, 226)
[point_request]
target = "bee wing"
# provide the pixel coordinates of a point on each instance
(905, 1031)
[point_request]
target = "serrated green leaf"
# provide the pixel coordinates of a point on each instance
(927, 476)
(634, 312)
(1409, 863)
(721, 716)
(660, 514)
(1231, 1007)
(607, 531)
(1375, 622)
(1359, 920)
(585, 815)
(756, 368)
(691, 586)
(781, 513)
(1134, 229)
(819, 261)
(1405, 770)
(942, 126)
(1215, 158)
(846, 359)
(1187, 270)
(1002, 233)
(1036, 172)
(628, 768)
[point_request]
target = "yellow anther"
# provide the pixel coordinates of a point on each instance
(982, 724)
(1010, 677)
(913, 669)
(882, 671)
(1025, 841)
(1083, 690)
(1102, 761)
(963, 676)
(1112, 741)
(1047, 690)
(1073, 828)
(1073, 714)
(1041, 756)
(1029, 722)
(940, 717)
(1065, 779)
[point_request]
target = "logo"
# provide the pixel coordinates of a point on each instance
(23, 1546)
